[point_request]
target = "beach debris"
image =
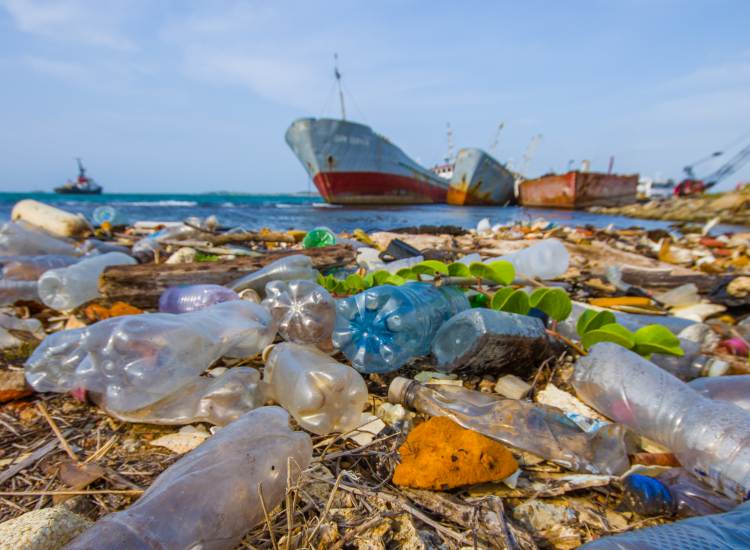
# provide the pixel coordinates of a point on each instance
(512, 387)
(13, 386)
(184, 299)
(303, 310)
(319, 237)
(44, 529)
(184, 440)
(48, 218)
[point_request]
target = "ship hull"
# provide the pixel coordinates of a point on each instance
(479, 179)
(64, 191)
(351, 164)
(576, 190)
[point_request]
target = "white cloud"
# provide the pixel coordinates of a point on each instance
(58, 69)
(79, 21)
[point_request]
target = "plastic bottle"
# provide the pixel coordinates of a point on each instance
(728, 531)
(303, 310)
(147, 247)
(546, 259)
(673, 492)
(184, 299)
(30, 268)
(710, 438)
(481, 340)
(108, 214)
(380, 329)
(538, 429)
(319, 237)
(69, 287)
(287, 268)
(218, 401)
(20, 239)
(12, 291)
(9, 323)
(732, 388)
(322, 395)
(136, 360)
(210, 498)
(50, 219)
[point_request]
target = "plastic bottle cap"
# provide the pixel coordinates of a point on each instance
(250, 295)
(397, 389)
(266, 352)
(717, 367)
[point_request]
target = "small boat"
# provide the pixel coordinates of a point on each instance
(83, 185)
(579, 190)
(479, 179)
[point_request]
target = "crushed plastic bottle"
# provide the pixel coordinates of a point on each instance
(146, 248)
(288, 268)
(136, 360)
(322, 395)
(303, 310)
(538, 429)
(21, 239)
(710, 438)
(380, 329)
(211, 497)
(184, 299)
(732, 388)
(319, 237)
(12, 291)
(10, 323)
(728, 531)
(69, 287)
(30, 268)
(483, 340)
(218, 401)
(547, 259)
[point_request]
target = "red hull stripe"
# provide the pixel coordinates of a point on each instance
(371, 187)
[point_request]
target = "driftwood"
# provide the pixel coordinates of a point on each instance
(141, 285)
(667, 278)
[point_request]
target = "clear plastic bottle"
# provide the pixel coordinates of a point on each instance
(481, 339)
(12, 291)
(288, 268)
(210, 498)
(732, 388)
(146, 248)
(319, 237)
(21, 239)
(380, 329)
(108, 214)
(30, 268)
(184, 299)
(136, 360)
(303, 310)
(538, 429)
(218, 401)
(728, 531)
(546, 259)
(710, 438)
(69, 287)
(322, 395)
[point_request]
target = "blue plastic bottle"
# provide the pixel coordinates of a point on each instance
(380, 329)
(648, 496)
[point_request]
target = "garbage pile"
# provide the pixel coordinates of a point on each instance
(184, 385)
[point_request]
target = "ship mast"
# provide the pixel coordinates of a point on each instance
(337, 74)
(449, 136)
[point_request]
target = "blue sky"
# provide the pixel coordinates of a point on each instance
(189, 96)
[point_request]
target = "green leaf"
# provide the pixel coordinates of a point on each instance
(656, 339)
(511, 300)
(497, 272)
(395, 280)
(504, 271)
(354, 283)
(430, 267)
(609, 333)
(379, 277)
(459, 270)
(555, 302)
(369, 280)
(407, 273)
(592, 320)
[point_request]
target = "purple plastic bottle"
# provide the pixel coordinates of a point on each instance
(184, 299)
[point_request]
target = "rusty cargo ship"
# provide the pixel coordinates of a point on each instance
(579, 190)
(479, 179)
(351, 164)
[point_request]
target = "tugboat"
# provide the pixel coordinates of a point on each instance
(83, 185)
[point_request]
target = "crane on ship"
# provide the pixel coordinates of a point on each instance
(693, 185)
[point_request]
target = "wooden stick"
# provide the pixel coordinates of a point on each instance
(52, 424)
(89, 492)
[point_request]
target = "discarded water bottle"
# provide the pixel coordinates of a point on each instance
(30, 268)
(732, 388)
(546, 259)
(212, 496)
(710, 438)
(10, 323)
(108, 214)
(12, 291)
(322, 395)
(184, 299)
(538, 429)
(147, 247)
(673, 492)
(287, 268)
(728, 531)
(136, 360)
(482, 340)
(380, 329)
(303, 310)
(319, 237)
(218, 401)
(21, 239)
(69, 287)
(692, 364)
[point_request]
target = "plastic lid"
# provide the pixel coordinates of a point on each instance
(397, 389)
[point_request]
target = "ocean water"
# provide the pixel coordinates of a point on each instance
(280, 212)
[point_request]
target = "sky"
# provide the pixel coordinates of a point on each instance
(183, 96)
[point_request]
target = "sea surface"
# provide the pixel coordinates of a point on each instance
(280, 212)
